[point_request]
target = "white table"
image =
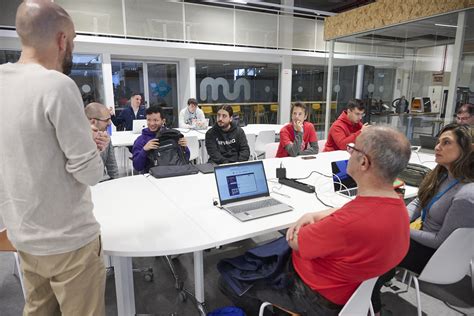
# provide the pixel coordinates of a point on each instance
(143, 216)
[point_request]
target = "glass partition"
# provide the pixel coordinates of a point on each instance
(251, 88)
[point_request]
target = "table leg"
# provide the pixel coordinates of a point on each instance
(409, 128)
(199, 281)
(124, 285)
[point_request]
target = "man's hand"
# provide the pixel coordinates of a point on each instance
(366, 125)
(298, 126)
(111, 111)
(151, 144)
(292, 232)
(183, 142)
(101, 139)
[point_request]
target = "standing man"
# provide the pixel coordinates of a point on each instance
(147, 140)
(190, 114)
(45, 200)
(298, 137)
(225, 141)
(347, 126)
(99, 116)
(134, 111)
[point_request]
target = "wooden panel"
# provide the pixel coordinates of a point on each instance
(385, 13)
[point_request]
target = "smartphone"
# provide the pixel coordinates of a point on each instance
(308, 157)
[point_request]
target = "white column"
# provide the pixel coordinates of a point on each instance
(187, 81)
(329, 89)
(108, 84)
(285, 90)
(457, 54)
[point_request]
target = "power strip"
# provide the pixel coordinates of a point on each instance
(297, 185)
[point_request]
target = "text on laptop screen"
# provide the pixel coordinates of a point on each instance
(339, 170)
(241, 181)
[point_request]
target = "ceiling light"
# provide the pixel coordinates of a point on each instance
(445, 25)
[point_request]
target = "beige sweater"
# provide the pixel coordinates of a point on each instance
(48, 160)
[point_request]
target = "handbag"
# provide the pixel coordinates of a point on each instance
(413, 174)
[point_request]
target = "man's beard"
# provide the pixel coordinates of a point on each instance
(67, 61)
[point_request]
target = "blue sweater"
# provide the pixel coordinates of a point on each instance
(140, 160)
(127, 116)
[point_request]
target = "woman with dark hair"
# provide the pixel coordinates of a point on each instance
(445, 202)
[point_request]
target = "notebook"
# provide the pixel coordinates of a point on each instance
(428, 142)
(138, 126)
(343, 183)
(243, 191)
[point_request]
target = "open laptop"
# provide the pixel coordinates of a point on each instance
(428, 142)
(343, 183)
(243, 191)
(138, 126)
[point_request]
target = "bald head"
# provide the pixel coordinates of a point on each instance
(389, 150)
(38, 22)
(95, 109)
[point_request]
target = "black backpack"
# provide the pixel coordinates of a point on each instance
(170, 153)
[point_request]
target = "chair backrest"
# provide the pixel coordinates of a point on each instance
(207, 109)
(193, 145)
(321, 144)
(359, 303)
(450, 263)
(251, 142)
(271, 150)
(263, 138)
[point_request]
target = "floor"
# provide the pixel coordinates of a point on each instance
(160, 297)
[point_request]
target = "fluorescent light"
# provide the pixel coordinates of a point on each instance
(240, 1)
(445, 25)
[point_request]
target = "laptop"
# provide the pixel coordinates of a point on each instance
(200, 124)
(243, 191)
(343, 183)
(428, 142)
(138, 126)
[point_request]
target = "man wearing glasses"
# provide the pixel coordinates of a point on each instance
(99, 116)
(347, 126)
(465, 116)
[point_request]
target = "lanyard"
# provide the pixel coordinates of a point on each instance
(425, 210)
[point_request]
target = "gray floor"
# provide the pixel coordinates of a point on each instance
(159, 297)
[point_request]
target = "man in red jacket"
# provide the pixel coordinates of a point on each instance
(347, 126)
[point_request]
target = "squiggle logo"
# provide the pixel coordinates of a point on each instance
(215, 83)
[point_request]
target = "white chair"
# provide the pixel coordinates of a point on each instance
(263, 138)
(5, 245)
(251, 142)
(321, 144)
(193, 145)
(271, 150)
(357, 305)
(360, 303)
(450, 263)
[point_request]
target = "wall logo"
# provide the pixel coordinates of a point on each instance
(217, 82)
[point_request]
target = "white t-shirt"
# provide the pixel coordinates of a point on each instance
(186, 117)
(48, 160)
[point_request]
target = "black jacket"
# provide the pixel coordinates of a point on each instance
(227, 147)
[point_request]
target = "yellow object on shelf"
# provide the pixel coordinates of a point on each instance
(207, 110)
(274, 107)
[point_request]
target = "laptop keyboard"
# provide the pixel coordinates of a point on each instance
(253, 206)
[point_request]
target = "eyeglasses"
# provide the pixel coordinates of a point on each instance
(463, 118)
(103, 120)
(351, 148)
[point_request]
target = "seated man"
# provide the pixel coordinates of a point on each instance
(99, 116)
(298, 137)
(334, 251)
(347, 126)
(147, 140)
(465, 116)
(190, 114)
(225, 141)
(134, 111)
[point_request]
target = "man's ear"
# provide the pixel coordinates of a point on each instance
(364, 164)
(61, 39)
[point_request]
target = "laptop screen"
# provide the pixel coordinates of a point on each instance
(339, 170)
(138, 126)
(242, 181)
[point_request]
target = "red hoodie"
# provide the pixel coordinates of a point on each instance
(341, 133)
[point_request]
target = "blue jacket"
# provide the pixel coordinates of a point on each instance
(265, 262)
(140, 160)
(127, 116)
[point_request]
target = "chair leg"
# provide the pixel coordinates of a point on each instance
(404, 276)
(371, 309)
(418, 297)
(178, 284)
